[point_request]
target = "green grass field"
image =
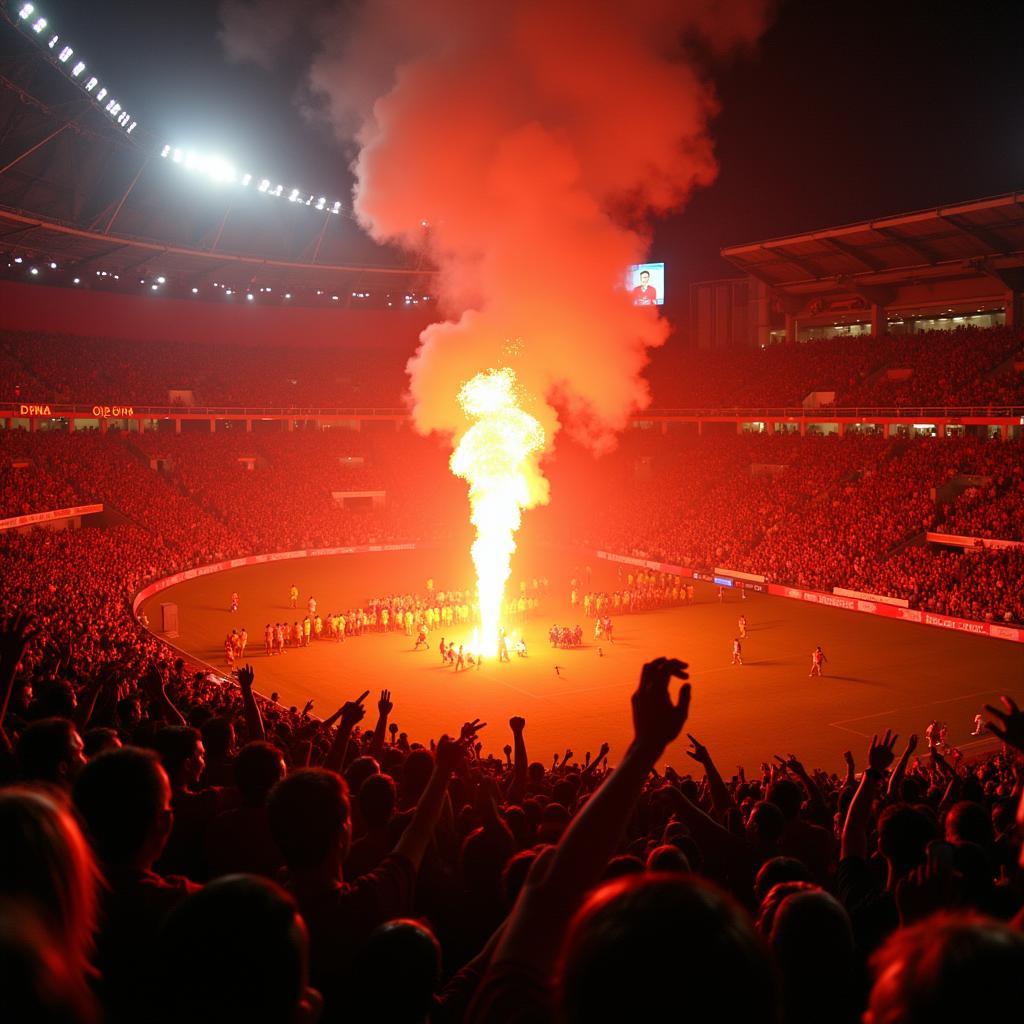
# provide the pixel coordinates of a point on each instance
(881, 673)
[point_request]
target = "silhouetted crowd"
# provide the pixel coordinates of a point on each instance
(174, 848)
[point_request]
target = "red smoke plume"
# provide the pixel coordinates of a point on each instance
(522, 146)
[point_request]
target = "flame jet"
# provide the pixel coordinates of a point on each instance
(497, 457)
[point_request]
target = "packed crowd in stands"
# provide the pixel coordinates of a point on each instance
(65, 369)
(819, 513)
(175, 849)
(967, 366)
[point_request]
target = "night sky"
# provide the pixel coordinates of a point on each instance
(846, 111)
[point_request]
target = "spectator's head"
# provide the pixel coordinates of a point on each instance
(812, 939)
(764, 826)
(403, 959)
(124, 798)
(668, 859)
(236, 950)
(99, 739)
(968, 822)
(622, 865)
(258, 768)
(377, 797)
(51, 750)
(416, 772)
(218, 738)
(904, 832)
(645, 943)
(37, 984)
(787, 796)
(514, 874)
(939, 971)
(482, 859)
(182, 754)
(776, 870)
(310, 819)
(359, 771)
(47, 869)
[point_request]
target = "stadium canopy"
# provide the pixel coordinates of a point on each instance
(982, 237)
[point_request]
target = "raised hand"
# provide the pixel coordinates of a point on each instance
(657, 720)
(307, 707)
(450, 754)
(603, 752)
(352, 711)
(700, 752)
(517, 723)
(881, 755)
(1011, 723)
(912, 743)
(507, 751)
(245, 675)
(568, 754)
(393, 729)
(470, 729)
(848, 758)
(384, 705)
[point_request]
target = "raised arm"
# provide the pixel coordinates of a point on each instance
(538, 920)
(815, 801)
(384, 708)
(350, 713)
(721, 798)
(161, 706)
(416, 837)
(517, 791)
(15, 635)
(253, 718)
(855, 829)
(893, 790)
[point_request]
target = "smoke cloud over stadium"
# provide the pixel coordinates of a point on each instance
(522, 148)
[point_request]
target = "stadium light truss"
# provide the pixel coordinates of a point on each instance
(218, 170)
(60, 54)
(222, 171)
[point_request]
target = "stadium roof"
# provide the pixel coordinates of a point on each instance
(985, 236)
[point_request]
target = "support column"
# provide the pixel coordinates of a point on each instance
(842, 428)
(177, 425)
(879, 319)
(803, 428)
(248, 426)
(791, 327)
(213, 425)
(700, 428)
(1011, 303)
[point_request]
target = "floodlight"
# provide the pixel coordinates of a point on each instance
(334, 298)
(39, 26)
(229, 292)
(18, 259)
(268, 290)
(91, 84)
(336, 208)
(277, 191)
(161, 280)
(264, 185)
(33, 271)
(250, 296)
(53, 266)
(53, 41)
(293, 195)
(65, 55)
(321, 203)
(77, 280)
(26, 12)
(246, 178)
(131, 128)
(154, 286)
(78, 69)
(287, 295)
(101, 95)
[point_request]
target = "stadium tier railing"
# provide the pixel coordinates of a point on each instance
(865, 412)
